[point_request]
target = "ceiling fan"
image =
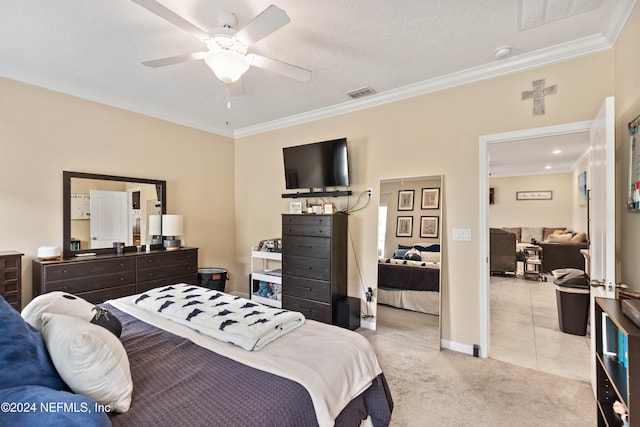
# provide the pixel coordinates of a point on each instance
(227, 48)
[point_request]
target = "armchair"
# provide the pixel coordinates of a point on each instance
(502, 251)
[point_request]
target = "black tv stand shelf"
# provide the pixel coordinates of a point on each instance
(317, 194)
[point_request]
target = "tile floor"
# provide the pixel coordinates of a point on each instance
(525, 329)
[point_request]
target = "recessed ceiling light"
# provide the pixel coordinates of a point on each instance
(548, 167)
(557, 151)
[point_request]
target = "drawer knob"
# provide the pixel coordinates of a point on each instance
(121, 264)
(122, 279)
(64, 270)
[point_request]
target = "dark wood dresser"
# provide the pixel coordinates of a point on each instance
(103, 277)
(11, 278)
(314, 264)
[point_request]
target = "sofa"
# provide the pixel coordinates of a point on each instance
(502, 251)
(560, 247)
(557, 255)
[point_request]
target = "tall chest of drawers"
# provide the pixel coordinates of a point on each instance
(103, 277)
(314, 264)
(11, 278)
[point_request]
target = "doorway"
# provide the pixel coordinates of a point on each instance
(524, 287)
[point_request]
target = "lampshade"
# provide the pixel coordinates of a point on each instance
(227, 65)
(171, 225)
(155, 225)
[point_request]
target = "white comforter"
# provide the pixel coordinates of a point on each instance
(221, 316)
(334, 364)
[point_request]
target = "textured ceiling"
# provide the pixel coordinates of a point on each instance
(93, 49)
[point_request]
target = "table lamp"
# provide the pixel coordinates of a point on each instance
(172, 227)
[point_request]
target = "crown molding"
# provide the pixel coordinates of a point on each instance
(535, 59)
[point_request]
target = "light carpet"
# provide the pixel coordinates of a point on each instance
(447, 388)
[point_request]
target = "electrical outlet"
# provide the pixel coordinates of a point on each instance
(370, 192)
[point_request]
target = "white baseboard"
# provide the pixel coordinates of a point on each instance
(459, 347)
(368, 324)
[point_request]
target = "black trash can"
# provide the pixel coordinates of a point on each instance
(572, 300)
(213, 278)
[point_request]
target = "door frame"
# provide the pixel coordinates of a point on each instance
(483, 192)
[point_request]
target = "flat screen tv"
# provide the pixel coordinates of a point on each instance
(317, 165)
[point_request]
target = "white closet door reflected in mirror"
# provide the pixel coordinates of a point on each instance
(410, 216)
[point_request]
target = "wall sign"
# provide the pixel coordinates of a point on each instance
(533, 195)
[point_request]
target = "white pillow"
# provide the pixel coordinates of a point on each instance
(430, 256)
(56, 302)
(90, 359)
(528, 233)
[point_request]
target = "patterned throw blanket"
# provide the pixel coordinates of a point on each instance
(221, 316)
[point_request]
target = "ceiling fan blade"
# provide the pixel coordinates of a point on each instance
(155, 63)
(177, 20)
(280, 67)
(236, 88)
(269, 20)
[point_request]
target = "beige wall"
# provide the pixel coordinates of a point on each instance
(43, 133)
(437, 133)
(627, 108)
(557, 212)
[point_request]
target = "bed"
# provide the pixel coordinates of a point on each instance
(411, 279)
(314, 375)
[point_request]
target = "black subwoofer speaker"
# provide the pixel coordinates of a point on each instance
(348, 313)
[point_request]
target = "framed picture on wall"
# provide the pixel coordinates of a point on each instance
(582, 189)
(430, 198)
(404, 227)
(405, 200)
(429, 226)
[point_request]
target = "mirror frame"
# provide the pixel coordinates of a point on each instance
(66, 206)
(441, 237)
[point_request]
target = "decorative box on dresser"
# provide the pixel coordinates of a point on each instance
(617, 356)
(11, 278)
(314, 264)
(102, 277)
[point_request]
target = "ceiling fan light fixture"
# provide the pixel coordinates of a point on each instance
(227, 65)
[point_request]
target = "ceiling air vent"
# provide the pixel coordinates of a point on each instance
(359, 93)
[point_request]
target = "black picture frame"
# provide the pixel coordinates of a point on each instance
(404, 226)
(430, 198)
(405, 200)
(429, 226)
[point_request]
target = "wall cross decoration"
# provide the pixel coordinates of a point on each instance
(538, 93)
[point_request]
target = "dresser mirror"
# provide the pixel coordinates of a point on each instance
(410, 217)
(99, 210)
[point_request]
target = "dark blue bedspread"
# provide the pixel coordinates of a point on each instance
(176, 382)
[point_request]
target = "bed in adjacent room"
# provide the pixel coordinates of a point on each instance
(310, 375)
(411, 279)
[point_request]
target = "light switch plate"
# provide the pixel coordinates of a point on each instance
(462, 234)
